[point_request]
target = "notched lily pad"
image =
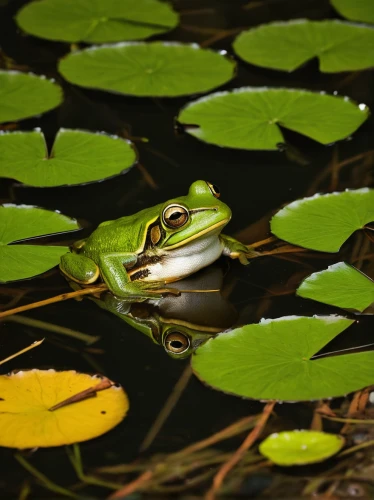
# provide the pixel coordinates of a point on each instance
(96, 21)
(273, 360)
(356, 10)
(155, 69)
(22, 222)
(23, 95)
(300, 447)
(339, 46)
(77, 157)
(251, 117)
(340, 285)
(324, 221)
(32, 416)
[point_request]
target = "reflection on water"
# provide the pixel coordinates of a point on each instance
(180, 323)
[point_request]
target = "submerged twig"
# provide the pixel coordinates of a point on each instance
(22, 351)
(133, 486)
(52, 300)
(76, 461)
(50, 327)
(353, 449)
(168, 407)
(240, 452)
(226, 433)
(47, 483)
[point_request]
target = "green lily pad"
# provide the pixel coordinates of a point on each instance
(250, 117)
(156, 69)
(23, 95)
(340, 285)
(324, 221)
(356, 10)
(21, 222)
(96, 21)
(77, 157)
(285, 46)
(300, 447)
(272, 360)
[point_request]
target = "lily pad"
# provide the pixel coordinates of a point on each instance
(156, 69)
(28, 418)
(356, 10)
(272, 360)
(250, 117)
(96, 21)
(77, 157)
(23, 95)
(285, 46)
(324, 221)
(300, 447)
(21, 222)
(340, 285)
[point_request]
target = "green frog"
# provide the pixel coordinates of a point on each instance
(138, 255)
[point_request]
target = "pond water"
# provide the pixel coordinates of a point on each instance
(255, 184)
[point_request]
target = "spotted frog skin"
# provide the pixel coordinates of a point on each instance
(139, 254)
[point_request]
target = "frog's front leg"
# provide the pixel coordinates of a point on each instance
(236, 250)
(113, 271)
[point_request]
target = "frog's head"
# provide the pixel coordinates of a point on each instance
(193, 216)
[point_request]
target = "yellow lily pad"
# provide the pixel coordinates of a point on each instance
(43, 408)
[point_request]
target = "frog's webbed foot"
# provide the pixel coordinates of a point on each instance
(236, 250)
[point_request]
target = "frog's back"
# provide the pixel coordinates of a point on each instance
(127, 234)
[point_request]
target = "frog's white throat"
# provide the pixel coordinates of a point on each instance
(186, 259)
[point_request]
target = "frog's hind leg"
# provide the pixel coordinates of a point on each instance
(79, 268)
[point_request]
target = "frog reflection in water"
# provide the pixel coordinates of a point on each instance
(138, 255)
(180, 324)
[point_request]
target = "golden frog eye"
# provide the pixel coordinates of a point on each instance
(175, 216)
(176, 342)
(214, 190)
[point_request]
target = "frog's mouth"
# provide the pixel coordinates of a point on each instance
(209, 229)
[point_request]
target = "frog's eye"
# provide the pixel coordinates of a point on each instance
(214, 190)
(175, 216)
(176, 342)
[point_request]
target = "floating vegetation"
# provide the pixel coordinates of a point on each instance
(43, 408)
(156, 69)
(23, 95)
(22, 222)
(251, 117)
(340, 285)
(300, 447)
(356, 10)
(274, 360)
(96, 22)
(286, 46)
(324, 221)
(77, 157)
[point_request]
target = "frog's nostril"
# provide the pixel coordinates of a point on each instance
(214, 190)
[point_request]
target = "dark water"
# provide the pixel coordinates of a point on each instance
(253, 184)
